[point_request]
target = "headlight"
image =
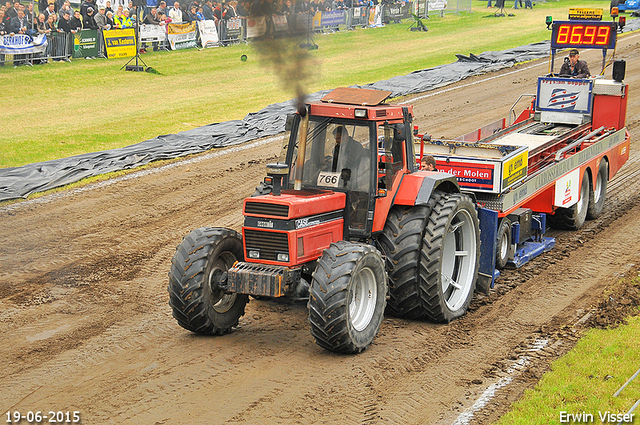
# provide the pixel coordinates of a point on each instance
(254, 254)
(360, 113)
(283, 257)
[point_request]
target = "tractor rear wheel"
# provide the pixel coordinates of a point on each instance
(450, 257)
(199, 265)
(347, 297)
(599, 192)
(263, 189)
(433, 254)
(573, 218)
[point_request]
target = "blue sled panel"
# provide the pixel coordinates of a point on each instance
(530, 250)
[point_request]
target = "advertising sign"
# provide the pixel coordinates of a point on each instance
(256, 26)
(151, 33)
(234, 28)
(587, 14)
(280, 23)
(208, 33)
(564, 94)
(515, 169)
(472, 175)
(120, 43)
(20, 44)
(182, 36)
(85, 44)
(332, 18)
(567, 189)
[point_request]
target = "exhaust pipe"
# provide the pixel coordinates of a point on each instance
(302, 145)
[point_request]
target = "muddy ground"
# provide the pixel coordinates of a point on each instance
(85, 323)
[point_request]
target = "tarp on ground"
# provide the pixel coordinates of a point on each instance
(19, 182)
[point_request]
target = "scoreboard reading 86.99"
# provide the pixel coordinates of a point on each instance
(583, 34)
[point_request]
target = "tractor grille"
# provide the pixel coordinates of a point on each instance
(269, 243)
(263, 208)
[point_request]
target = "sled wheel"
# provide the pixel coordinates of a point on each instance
(503, 243)
(599, 192)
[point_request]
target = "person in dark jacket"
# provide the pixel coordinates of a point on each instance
(574, 66)
(88, 21)
(76, 21)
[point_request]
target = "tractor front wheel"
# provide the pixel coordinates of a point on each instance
(198, 269)
(347, 297)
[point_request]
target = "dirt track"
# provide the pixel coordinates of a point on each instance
(85, 323)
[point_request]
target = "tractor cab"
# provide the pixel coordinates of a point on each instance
(353, 144)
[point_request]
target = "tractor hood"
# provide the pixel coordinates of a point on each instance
(294, 204)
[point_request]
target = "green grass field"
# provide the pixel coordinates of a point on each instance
(64, 109)
(585, 380)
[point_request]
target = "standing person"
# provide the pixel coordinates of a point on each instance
(176, 13)
(207, 10)
(148, 5)
(50, 10)
(66, 39)
(4, 30)
(76, 21)
(162, 8)
(101, 18)
(107, 7)
(88, 21)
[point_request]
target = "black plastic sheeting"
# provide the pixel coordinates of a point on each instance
(19, 182)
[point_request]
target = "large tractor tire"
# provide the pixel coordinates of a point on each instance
(347, 297)
(503, 243)
(199, 303)
(433, 254)
(572, 218)
(599, 192)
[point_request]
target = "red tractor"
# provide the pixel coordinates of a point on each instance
(346, 220)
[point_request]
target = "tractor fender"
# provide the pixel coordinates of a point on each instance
(416, 188)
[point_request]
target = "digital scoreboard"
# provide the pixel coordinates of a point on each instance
(583, 34)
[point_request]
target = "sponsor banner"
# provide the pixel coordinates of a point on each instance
(234, 28)
(567, 189)
(585, 14)
(22, 44)
(208, 33)
(317, 18)
(151, 33)
(120, 43)
(564, 94)
(473, 175)
(85, 44)
(256, 27)
(280, 23)
(437, 5)
(182, 36)
(515, 169)
(392, 12)
(360, 16)
(332, 18)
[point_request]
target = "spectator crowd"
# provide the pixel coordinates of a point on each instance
(59, 17)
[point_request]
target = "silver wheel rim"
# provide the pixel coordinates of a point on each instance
(584, 197)
(504, 246)
(597, 192)
(362, 299)
(458, 260)
(221, 302)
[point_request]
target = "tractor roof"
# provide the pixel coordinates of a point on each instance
(353, 96)
(344, 101)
